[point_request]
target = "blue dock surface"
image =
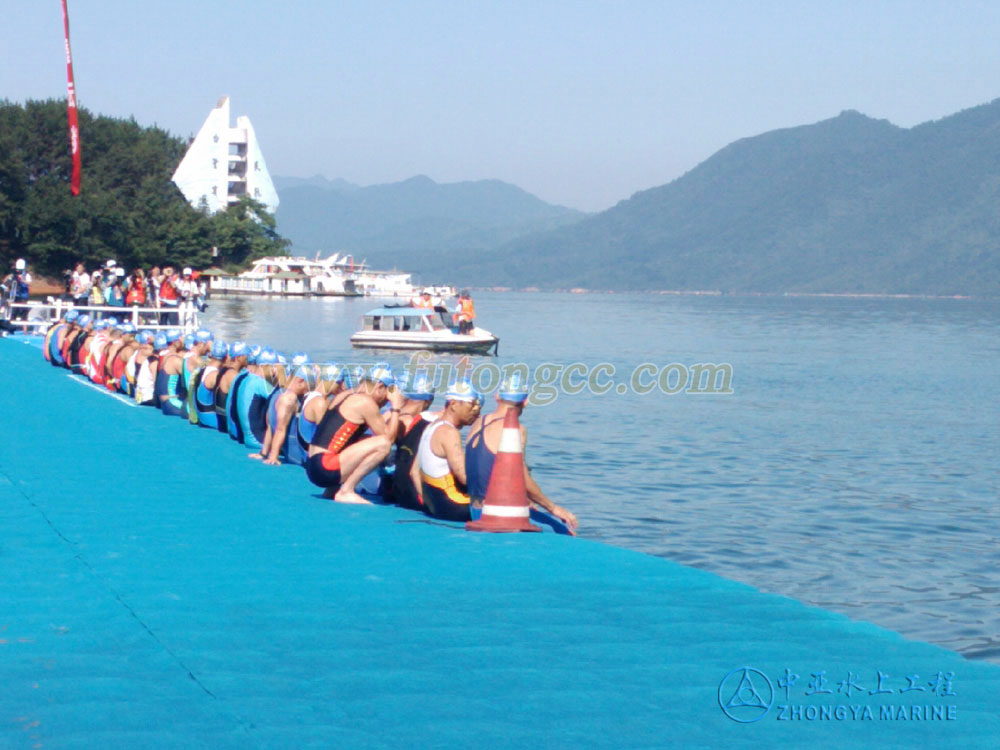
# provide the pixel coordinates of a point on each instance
(158, 589)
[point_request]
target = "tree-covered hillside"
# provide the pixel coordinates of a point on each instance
(128, 208)
(847, 205)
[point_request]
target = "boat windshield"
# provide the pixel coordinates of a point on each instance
(439, 321)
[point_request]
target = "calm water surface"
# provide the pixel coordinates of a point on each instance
(854, 466)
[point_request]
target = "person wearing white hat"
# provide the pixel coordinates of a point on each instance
(187, 290)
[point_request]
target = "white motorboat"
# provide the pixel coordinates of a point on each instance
(422, 328)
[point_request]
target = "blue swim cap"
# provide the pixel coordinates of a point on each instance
(127, 328)
(267, 357)
(514, 388)
(219, 349)
(188, 340)
(71, 315)
(100, 325)
(83, 321)
(300, 358)
(111, 321)
(146, 337)
(354, 376)
(418, 388)
(239, 349)
(202, 335)
(253, 351)
(282, 359)
(160, 341)
(381, 373)
(331, 372)
(307, 373)
(172, 334)
(462, 390)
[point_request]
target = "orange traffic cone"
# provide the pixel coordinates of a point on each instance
(506, 506)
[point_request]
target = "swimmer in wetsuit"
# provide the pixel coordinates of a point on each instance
(440, 466)
(239, 354)
(204, 385)
(340, 454)
(171, 389)
(483, 443)
(281, 437)
(414, 418)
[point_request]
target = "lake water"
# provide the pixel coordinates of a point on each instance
(854, 466)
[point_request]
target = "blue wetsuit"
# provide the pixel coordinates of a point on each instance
(55, 356)
(204, 399)
(251, 409)
(271, 417)
(232, 418)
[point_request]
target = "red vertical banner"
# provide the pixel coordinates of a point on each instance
(74, 128)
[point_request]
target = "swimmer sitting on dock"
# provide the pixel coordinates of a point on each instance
(340, 454)
(484, 441)
(440, 466)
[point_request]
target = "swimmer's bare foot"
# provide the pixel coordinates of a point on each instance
(350, 497)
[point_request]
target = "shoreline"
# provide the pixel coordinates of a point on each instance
(719, 293)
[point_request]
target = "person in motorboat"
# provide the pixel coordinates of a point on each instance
(439, 470)
(465, 314)
(340, 453)
(481, 449)
(423, 301)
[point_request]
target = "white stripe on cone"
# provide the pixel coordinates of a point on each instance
(510, 441)
(507, 511)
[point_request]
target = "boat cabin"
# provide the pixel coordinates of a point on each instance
(407, 319)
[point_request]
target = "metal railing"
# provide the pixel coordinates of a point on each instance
(40, 315)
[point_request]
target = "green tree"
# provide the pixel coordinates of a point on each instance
(128, 208)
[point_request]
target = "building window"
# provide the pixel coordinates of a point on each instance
(215, 138)
(215, 189)
(215, 163)
(256, 166)
(256, 192)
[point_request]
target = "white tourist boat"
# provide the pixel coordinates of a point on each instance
(337, 275)
(420, 328)
(289, 276)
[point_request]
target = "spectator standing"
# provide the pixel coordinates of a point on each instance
(79, 285)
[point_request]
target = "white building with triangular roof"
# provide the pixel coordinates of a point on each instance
(223, 164)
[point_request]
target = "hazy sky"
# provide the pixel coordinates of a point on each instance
(581, 103)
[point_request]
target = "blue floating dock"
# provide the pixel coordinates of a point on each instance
(158, 589)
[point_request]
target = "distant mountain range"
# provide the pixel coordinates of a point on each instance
(847, 205)
(418, 225)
